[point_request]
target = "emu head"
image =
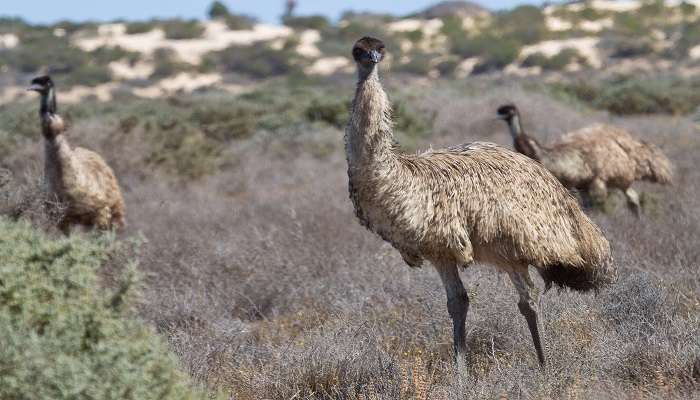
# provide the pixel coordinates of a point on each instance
(367, 53)
(44, 86)
(41, 84)
(507, 112)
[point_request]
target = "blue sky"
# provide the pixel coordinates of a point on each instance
(45, 11)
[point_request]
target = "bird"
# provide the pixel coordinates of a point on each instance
(594, 158)
(474, 202)
(79, 179)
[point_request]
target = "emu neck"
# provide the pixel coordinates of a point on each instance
(522, 142)
(57, 154)
(48, 103)
(369, 138)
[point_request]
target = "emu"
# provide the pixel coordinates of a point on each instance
(469, 203)
(78, 178)
(594, 158)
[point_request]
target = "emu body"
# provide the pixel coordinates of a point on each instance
(594, 158)
(77, 178)
(468, 203)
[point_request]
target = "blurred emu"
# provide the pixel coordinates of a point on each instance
(78, 178)
(594, 158)
(468, 203)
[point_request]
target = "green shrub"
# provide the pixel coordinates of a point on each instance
(133, 28)
(335, 113)
(419, 64)
(62, 336)
(648, 97)
(167, 64)
(218, 9)
(224, 121)
(69, 65)
(496, 49)
(318, 22)
(556, 62)
(690, 37)
(104, 55)
(447, 66)
(180, 148)
(258, 61)
(179, 30)
(237, 22)
(626, 96)
(524, 24)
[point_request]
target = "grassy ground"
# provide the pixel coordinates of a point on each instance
(265, 286)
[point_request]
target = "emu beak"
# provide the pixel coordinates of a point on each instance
(35, 88)
(375, 56)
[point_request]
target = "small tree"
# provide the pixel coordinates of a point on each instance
(218, 10)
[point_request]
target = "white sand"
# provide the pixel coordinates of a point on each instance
(8, 41)
(307, 43)
(466, 67)
(596, 26)
(329, 66)
(217, 36)
(695, 52)
(557, 24)
(124, 70)
(429, 27)
(586, 46)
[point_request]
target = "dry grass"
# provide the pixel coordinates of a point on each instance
(266, 286)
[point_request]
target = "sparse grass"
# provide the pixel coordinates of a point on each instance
(265, 286)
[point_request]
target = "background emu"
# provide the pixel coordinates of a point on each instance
(473, 202)
(79, 178)
(594, 158)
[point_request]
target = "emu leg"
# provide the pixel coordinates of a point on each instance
(598, 192)
(633, 201)
(457, 306)
(528, 306)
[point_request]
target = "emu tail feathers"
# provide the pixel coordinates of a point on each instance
(580, 278)
(654, 165)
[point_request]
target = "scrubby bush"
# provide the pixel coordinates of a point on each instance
(237, 22)
(133, 28)
(62, 336)
(419, 63)
(225, 121)
(626, 96)
(42, 51)
(259, 61)
(525, 24)
(318, 22)
(218, 9)
(166, 63)
(332, 112)
(495, 51)
(179, 30)
(556, 62)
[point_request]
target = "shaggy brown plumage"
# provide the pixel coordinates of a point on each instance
(468, 203)
(594, 158)
(79, 178)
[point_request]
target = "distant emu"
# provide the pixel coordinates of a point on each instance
(468, 203)
(78, 178)
(594, 158)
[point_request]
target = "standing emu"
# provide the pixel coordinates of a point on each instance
(594, 158)
(470, 203)
(78, 178)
